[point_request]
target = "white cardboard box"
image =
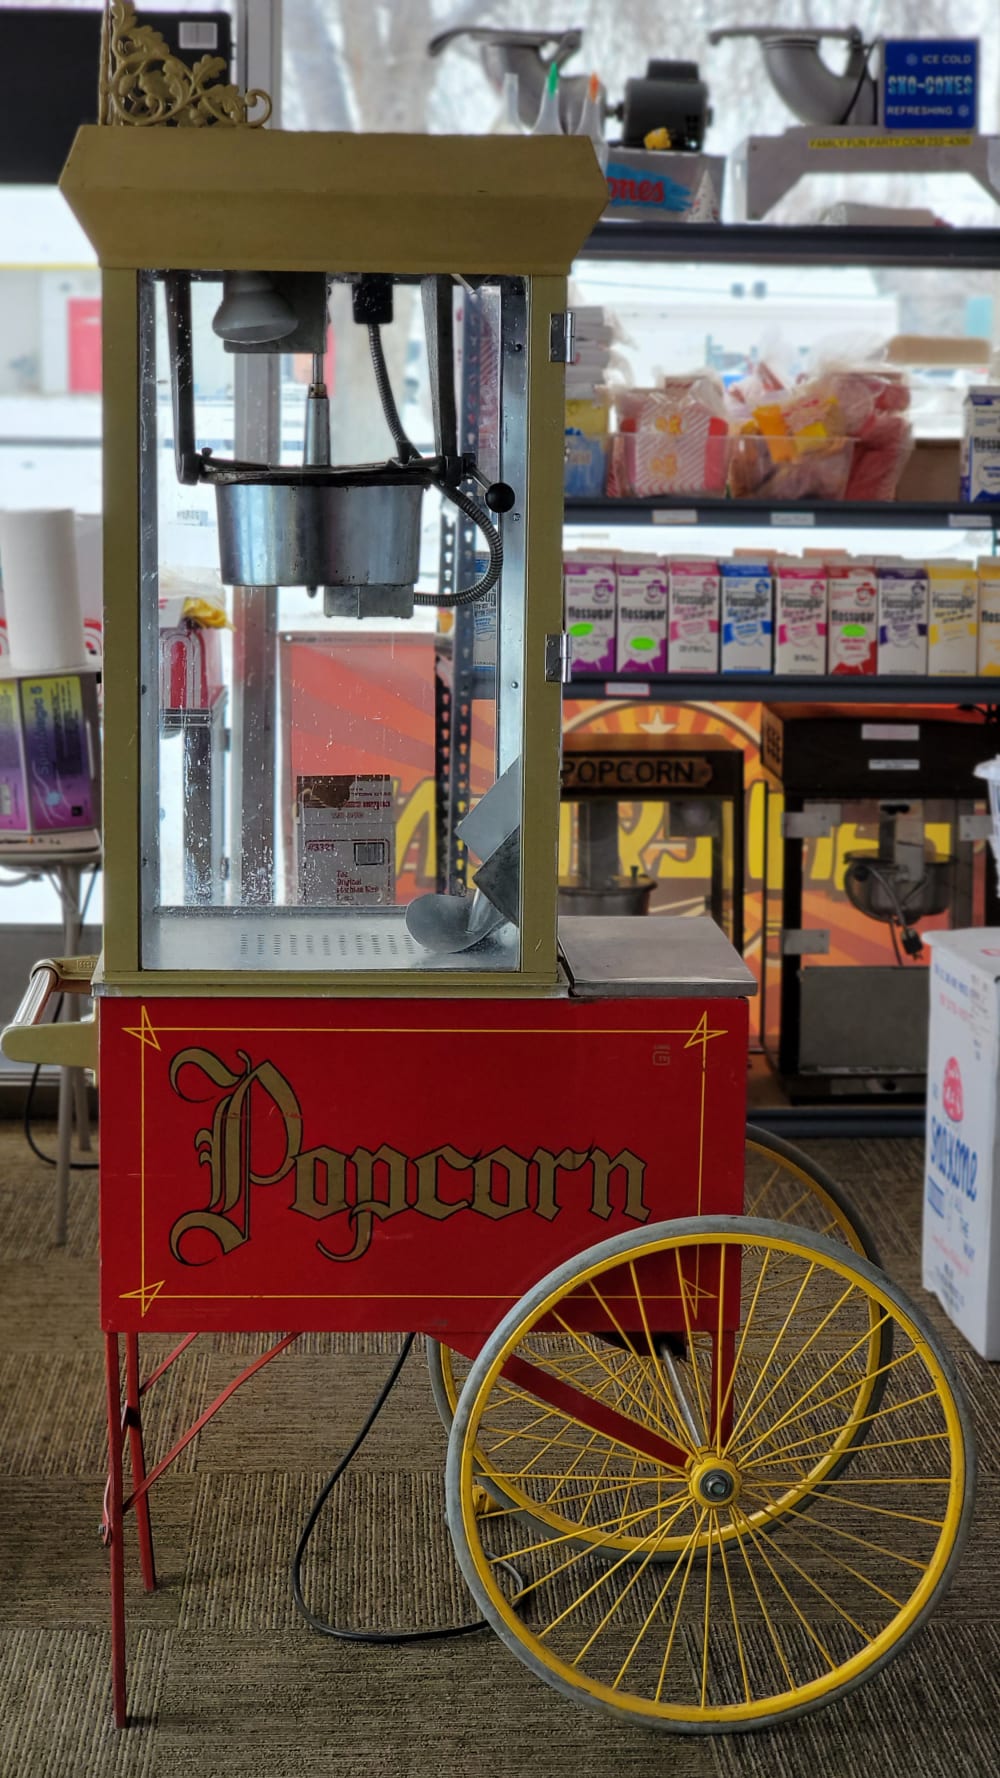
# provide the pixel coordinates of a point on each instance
(747, 615)
(641, 631)
(961, 1242)
(800, 598)
(589, 599)
(952, 618)
(693, 616)
(902, 618)
(988, 661)
(980, 473)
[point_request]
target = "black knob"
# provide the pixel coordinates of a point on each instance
(500, 497)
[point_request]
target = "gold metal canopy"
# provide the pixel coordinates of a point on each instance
(304, 201)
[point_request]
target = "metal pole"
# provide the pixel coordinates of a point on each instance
(255, 609)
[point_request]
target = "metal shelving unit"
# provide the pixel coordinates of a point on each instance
(772, 688)
(669, 510)
(765, 244)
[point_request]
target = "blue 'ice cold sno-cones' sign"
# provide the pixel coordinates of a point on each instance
(930, 85)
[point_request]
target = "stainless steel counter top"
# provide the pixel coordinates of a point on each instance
(659, 956)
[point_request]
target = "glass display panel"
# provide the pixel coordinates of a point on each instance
(303, 621)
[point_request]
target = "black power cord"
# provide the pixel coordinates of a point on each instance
(391, 1638)
(855, 96)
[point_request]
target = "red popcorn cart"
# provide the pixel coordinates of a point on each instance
(707, 1467)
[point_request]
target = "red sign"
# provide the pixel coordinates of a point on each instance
(951, 1091)
(341, 1164)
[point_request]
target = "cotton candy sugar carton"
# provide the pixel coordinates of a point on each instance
(988, 647)
(641, 640)
(747, 620)
(590, 599)
(693, 615)
(980, 471)
(961, 1220)
(902, 617)
(587, 410)
(952, 619)
(800, 595)
(852, 635)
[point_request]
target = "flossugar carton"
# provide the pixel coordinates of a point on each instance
(747, 622)
(961, 1212)
(641, 639)
(693, 615)
(988, 648)
(800, 595)
(590, 598)
(980, 473)
(852, 632)
(952, 618)
(902, 617)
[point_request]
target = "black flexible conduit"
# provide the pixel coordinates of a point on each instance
(408, 454)
(406, 451)
(487, 580)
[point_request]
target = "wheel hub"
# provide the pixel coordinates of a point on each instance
(714, 1481)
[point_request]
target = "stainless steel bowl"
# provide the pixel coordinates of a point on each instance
(337, 534)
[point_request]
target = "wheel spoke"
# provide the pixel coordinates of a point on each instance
(640, 1569)
(814, 1584)
(682, 1288)
(768, 1360)
(744, 1423)
(572, 1535)
(806, 1625)
(660, 1425)
(798, 1412)
(793, 1529)
(863, 1543)
(696, 1533)
(765, 1614)
(734, 1614)
(706, 1632)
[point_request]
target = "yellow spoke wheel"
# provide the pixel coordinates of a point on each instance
(781, 1184)
(783, 1610)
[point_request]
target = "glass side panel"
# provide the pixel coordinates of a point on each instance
(332, 735)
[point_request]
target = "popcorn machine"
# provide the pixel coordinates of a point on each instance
(326, 1106)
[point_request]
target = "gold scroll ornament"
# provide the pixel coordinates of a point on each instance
(142, 82)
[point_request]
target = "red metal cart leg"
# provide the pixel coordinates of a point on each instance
(137, 1454)
(114, 1528)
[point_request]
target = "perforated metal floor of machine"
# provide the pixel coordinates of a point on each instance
(223, 1677)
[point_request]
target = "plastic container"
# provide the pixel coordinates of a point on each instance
(789, 468)
(690, 461)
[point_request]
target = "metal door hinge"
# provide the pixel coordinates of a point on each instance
(557, 658)
(797, 943)
(562, 336)
(975, 827)
(815, 823)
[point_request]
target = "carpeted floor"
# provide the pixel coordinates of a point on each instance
(224, 1678)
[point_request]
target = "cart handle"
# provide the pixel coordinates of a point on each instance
(70, 1045)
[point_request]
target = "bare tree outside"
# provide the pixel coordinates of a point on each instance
(363, 65)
